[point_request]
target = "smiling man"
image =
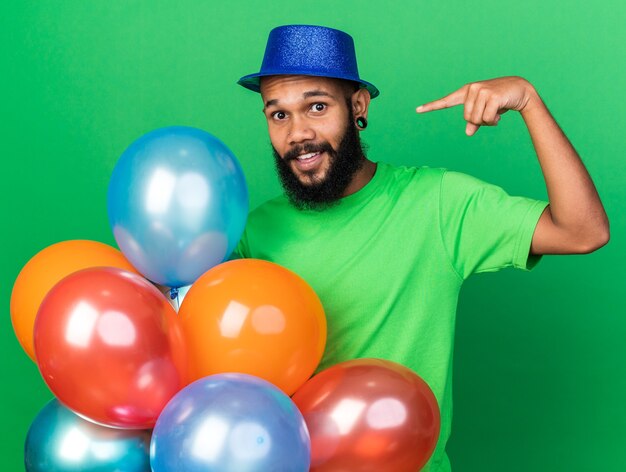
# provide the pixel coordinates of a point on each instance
(317, 165)
(387, 247)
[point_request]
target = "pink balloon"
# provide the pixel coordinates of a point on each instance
(369, 415)
(109, 346)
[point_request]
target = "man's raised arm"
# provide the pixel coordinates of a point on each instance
(575, 221)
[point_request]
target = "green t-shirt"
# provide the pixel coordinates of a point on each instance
(388, 262)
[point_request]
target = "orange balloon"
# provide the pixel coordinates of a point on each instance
(254, 317)
(47, 268)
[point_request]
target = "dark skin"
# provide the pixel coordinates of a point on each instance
(303, 109)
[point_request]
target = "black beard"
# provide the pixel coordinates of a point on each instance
(344, 163)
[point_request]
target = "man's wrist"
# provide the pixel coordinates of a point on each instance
(534, 102)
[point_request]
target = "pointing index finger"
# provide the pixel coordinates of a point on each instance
(455, 98)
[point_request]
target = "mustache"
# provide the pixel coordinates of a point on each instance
(306, 148)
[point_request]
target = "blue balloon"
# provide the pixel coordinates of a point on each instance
(60, 441)
(230, 423)
(177, 204)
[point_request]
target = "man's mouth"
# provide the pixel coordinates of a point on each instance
(309, 160)
(305, 157)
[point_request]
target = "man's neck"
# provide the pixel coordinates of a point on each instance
(361, 178)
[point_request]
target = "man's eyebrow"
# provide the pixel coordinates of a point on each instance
(312, 93)
(317, 93)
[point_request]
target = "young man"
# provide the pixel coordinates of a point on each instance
(385, 247)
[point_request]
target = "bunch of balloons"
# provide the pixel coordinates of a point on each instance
(169, 335)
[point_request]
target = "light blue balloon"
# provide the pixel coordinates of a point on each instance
(60, 441)
(177, 204)
(230, 423)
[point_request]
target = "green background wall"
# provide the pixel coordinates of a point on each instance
(540, 361)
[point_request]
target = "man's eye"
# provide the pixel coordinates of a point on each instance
(318, 107)
(278, 115)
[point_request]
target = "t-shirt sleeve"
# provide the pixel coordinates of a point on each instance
(484, 229)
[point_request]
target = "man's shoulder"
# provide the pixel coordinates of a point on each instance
(278, 205)
(410, 168)
(413, 174)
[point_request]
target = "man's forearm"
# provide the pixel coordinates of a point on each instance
(575, 207)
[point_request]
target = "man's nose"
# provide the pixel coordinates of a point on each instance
(300, 130)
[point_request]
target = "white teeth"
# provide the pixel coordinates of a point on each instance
(307, 156)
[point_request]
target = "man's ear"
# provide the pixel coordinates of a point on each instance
(360, 103)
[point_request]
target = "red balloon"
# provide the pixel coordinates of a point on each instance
(369, 415)
(109, 346)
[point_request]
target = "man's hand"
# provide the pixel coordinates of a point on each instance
(486, 101)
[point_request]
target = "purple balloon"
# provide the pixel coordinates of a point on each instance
(230, 422)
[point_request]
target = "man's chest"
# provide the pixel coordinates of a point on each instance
(360, 260)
